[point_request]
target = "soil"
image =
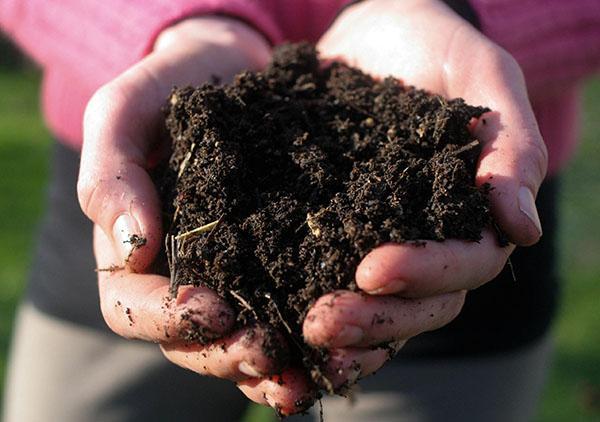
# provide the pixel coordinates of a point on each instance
(280, 182)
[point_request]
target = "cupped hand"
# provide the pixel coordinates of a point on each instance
(123, 137)
(409, 289)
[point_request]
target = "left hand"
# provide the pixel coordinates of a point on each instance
(414, 289)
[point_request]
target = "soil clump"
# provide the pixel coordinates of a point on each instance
(280, 182)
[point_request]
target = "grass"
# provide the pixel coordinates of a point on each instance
(573, 391)
(575, 376)
(24, 147)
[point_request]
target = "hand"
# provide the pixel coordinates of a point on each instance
(122, 137)
(410, 289)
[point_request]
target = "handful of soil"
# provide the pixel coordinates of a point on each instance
(280, 182)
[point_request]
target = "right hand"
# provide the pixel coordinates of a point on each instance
(423, 288)
(123, 131)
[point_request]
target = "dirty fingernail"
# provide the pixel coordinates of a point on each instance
(348, 335)
(247, 369)
(393, 286)
(394, 347)
(125, 231)
(270, 401)
(527, 206)
(354, 375)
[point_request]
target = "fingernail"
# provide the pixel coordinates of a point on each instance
(270, 401)
(394, 347)
(348, 335)
(393, 286)
(124, 229)
(247, 369)
(527, 206)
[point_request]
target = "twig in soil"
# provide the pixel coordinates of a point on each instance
(110, 269)
(172, 245)
(465, 148)
(512, 269)
(312, 224)
(361, 111)
(212, 232)
(315, 370)
(285, 324)
(186, 160)
(172, 253)
(174, 217)
(239, 99)
(321, 410)
(243, 302)
(198, 230)
(317, 373)
(168, 252)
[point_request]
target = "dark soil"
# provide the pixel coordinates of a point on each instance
(280, 182)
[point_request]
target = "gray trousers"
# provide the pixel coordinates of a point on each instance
(66, 366)
(60, 371)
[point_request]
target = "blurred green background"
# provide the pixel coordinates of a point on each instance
(573, 390)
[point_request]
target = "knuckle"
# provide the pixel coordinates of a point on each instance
(318, 329)
(87, 193)
(97, 105)
(452, 308)
(502, 60)
(499, 61)
(491, 270)
(108, 97)
(457, 304)
(107, 307)
(95, 199)
(538, 160)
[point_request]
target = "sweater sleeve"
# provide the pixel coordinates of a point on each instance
(101, 38)
(556, 42)
(82, 44)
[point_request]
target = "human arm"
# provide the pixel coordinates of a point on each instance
(82, 45)
(102, 39)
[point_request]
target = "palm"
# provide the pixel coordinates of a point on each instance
(425, 44)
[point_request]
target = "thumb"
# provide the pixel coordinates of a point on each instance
(514, 157)
(514, 164)
(114, 187)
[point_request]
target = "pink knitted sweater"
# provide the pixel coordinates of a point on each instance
(83, 44)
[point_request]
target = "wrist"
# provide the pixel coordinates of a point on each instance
(462, 8)
(230, 34)
(361, 6)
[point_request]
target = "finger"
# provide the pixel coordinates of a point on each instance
(514, 158)
(346, 366)
(288, 393)
(433, 268)
(292, 392)
(345, 318)
(139, 305)
(514, 163)
(238, 357)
